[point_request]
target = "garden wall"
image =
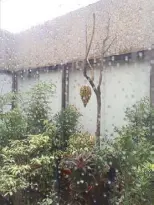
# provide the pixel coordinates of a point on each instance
(123, 84)
(5, 85)
(28, 80)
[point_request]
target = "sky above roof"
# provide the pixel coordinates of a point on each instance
(20, 15)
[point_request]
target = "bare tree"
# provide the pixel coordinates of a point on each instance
(97, 88)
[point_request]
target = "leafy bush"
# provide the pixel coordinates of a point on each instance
(13, 125)
(33, 161)
(132, 161)
(28, 116)
(135, 147)
(139, 118)
(80, 142)
(38, 109)
(119, 173)
(67, 122)
(28, 138)
(27, 164)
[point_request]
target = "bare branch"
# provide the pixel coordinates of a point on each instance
(91, 83)
(86, 39)
(108, 27)
(106, 50)
(107, 36)
(102, 61)
(92, 36)
(86, 61)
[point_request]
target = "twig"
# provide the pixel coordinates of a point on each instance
(92, 36)
(88, 47)
(106, 50)
(86, 39)
(107, 36)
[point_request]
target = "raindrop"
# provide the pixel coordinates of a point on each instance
(113, 58)
(140, 54)
(109, 182)
(126, 58)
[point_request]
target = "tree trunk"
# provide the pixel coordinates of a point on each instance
(98, 125)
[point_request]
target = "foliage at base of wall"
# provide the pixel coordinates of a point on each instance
(51, 162)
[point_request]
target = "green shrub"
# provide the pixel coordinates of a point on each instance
(27, 164)
(123, 165)
(38, 109)
(13, 125)
(67, 123)
(28, 138)
(134, 153)
(139, 118)
(119, 173)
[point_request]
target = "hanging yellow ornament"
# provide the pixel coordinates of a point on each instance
(85, 93)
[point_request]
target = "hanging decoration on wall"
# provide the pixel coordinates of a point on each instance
(85, 93)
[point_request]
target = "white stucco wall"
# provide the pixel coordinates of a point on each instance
(122, 86)
(5, 87)
(5, 83)
(54, 77)
(25, 83)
